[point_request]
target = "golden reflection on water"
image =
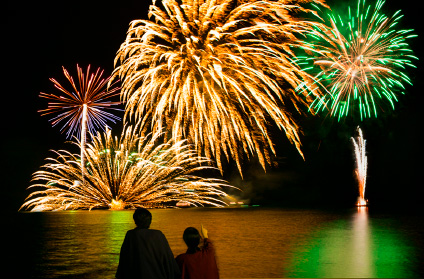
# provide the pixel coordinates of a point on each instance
(361, 254)
(250, 243)
(77, 243)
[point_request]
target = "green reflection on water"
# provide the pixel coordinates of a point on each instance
(84, 243)
(353, 248)
(119, 222)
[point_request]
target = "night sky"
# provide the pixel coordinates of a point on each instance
(43, 36)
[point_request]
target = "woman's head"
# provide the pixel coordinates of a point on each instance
(191, 237)
(142, 218)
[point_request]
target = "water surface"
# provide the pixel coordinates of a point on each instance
(250, 242)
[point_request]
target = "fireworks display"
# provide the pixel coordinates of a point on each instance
(125, 172)
(361, 60)
(209, 81)
(218, 73)
(86, 100)
(361, 165)
(82, 107)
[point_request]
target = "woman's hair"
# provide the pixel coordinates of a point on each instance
(142, 218)
(191, 237)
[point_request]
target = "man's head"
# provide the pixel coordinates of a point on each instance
(142, 218)
(191, 237)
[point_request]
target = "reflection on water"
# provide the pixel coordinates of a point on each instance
(74, 244)
(253, 242)
(357, 247)
(361, 263)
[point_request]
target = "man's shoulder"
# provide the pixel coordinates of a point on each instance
(150, 232)
(154, 232)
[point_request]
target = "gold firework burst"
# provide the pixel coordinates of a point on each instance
(218, 73)
(128, 172)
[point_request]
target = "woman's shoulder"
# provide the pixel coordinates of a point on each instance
(182, 257)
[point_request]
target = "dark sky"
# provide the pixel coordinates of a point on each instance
(43, 36)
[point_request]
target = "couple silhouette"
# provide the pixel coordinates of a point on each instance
(145, 253)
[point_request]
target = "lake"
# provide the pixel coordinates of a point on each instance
(253, 242)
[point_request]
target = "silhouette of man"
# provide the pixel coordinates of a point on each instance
(145, 253)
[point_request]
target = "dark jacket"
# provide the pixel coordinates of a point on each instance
(145, 253)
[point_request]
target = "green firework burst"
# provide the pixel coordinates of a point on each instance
(360, 60)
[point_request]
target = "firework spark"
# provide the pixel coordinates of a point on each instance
(128, 172)
(82, 107)
(90, 95)
(361, 61)
(217, 73)
(361, 165)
